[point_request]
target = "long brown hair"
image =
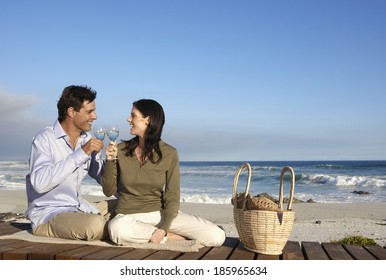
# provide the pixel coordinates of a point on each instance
(152, 137)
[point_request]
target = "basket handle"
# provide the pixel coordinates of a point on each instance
(292, 189)
(236, 181)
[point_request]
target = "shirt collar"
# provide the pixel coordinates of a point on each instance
(58, 130)
(60, 133)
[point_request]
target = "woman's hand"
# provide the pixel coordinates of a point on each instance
(158, 236)
(111, 151)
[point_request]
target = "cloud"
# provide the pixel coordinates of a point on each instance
(18, 125)
(11, 102)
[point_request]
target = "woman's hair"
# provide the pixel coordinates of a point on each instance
(153, 110)
(74, 96)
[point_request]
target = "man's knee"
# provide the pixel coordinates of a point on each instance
(74, 225)
(95, 228)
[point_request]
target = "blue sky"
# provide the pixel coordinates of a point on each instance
(238, 80)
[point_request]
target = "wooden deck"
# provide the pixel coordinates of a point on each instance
(232, 249)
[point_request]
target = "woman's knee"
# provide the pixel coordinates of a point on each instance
(119, 229)
(125, 229)
(217, 237)
(211, 236)
(115, 227)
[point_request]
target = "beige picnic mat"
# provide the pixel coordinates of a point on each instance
(179, 246)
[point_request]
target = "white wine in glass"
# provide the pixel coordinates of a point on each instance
(113, 133)
(99, 133)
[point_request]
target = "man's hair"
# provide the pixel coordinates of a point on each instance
(74, 96)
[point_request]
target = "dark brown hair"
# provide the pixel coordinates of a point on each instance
(152, 109)
(74, 96)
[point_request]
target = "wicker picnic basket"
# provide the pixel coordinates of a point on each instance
(263, 231)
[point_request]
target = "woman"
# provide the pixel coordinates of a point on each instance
(147, 173)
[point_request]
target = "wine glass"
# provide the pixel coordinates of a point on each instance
(112, 133)
(99, 133)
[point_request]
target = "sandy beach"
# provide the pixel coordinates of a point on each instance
(321, 222)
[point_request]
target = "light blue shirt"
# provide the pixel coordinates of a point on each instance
(56, 172)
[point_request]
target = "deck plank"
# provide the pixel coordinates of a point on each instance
(240, 253)
(222, 252)
(377, 251)
(107, 253)
(313, 251)
(78, 253)
(336, 251)
(292, 251)
(37, 251)
(49, 251)
(358, 252)
(21, 253)
(268, 257)
(194, 255)
(136, 254)
(164, 255)
(8, 245)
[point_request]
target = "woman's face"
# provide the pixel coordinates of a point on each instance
(137, 122)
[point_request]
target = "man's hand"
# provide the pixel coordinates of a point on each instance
(158, 236)
(93, 145)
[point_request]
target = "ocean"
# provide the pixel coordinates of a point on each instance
(212, 182)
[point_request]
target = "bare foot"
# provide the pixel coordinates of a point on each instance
(175, 237)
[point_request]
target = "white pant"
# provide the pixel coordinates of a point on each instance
(138, 228)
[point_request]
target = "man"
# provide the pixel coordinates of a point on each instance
(61, 157)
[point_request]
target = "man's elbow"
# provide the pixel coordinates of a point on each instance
(37, 185)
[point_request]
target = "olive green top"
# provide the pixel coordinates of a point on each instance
(147, 188)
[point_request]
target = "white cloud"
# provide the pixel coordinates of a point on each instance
(18, 125)
(11, 102)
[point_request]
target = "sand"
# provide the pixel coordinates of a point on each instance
(320, 222)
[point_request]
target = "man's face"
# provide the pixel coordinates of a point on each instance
(86, 115)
